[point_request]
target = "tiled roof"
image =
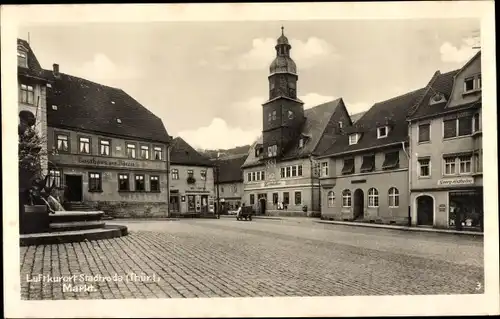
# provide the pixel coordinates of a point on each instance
(86, 105)
(316, 121)
(442, 83)
(183, 154)
(230, 169)
(393, 111)
(34, 69)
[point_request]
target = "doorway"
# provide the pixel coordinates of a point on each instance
(191, 204)
(174, 203)
(75, 188)
(262, 205)
(359, 204)
(204, 204)
(425, 210)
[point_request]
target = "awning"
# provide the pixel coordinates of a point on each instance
(391, 160)
(368, 163)
(348, 166)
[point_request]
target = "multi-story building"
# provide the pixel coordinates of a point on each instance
(229, 180)
(191, 180)
(105, 148)
(32, 86)
(446, 151)
(364, 173)
(278, 172)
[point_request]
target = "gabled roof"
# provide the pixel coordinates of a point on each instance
(355, 117)
(184, 154)
(393, 110)
(34, 69)
(316, 120)
(230, 168)
(86, 105)
(441, 83)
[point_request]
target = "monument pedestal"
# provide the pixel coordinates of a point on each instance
(34, 219)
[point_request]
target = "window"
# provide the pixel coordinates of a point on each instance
(282, 172)
(235, 189)
(84, 145)
(154, 183)
(298, 198)
(55, 178)
(144, 151)
(22, 59)
(274, 115)
(203, 175)
(478, 82)
(269, 118)
(252, 199)
(249, 177)
(324, 169)
(391, 160)
(348, 166)
(175, 174)
(139, 183)
(275, 198)
(477, 123)
(288, 171)
(299, 170)
(469, 84)
(346, 198)
(449, 166)
(254, 176)
(424, 133)
(123, 182)
(131, 150)
(393, 197)
(286, 198)
(331, 199)
(382, 132)
(27, 94)
(372, 197)
(465, 163)
(62, 143)
(424, 167)
(262, 176)
(353, 139)
(294, 171)
(104, 147)
(190, 173)
(368, 164)
(450, 128)
(340, 124)
(272, 150)
(301, 143)
(465, 126)
(222, 189)
(478, 161)
(95, 182)
(158, 153)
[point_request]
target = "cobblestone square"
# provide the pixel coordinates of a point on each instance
(226, 258)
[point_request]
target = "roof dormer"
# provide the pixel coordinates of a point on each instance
(22, 56)
(437, 98)
(303, 139)
(382, 131)
(354, 138)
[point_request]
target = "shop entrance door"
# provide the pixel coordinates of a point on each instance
(425, 211)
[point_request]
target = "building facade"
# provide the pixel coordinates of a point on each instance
(229, 181)
(106, 150)
(446, 157)
(364, 174)
(32, 90)
(280, 177)
(191, 188)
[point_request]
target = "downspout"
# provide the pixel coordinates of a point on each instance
(410, 171)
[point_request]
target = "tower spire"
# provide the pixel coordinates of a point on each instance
(282, 30)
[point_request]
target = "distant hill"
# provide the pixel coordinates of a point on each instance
(239, 150)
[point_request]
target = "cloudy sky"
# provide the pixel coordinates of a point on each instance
(207, 80)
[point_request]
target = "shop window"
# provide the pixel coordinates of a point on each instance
(298, 198)
(465, 163)
(84, 145)
(144, 152)
(424, 167)
(466, 209)
(346, 198)
(62, 141)
(154, 183)
(424, 133)
(55, 178)
(139, 183)
(27, 94)
(104, 147)
(286, 198)
(372, 197)
(175, 174)
(393, 197)
(331, 199)
(95, 182)
(131, 151)
(123, 182)
(158, 153)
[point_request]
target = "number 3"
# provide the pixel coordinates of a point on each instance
(479, 286)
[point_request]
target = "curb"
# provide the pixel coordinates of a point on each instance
(253, 217)
(404, 228)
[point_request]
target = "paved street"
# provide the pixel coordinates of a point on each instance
(226, 258)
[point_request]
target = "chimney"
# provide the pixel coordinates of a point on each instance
(55, 69)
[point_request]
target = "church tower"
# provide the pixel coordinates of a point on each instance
(283, 113)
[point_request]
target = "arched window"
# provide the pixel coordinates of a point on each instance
(346, 198)
(393, 197)
(372, 197)
(331, 199)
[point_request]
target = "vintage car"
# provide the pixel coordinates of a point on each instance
(246, 213)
